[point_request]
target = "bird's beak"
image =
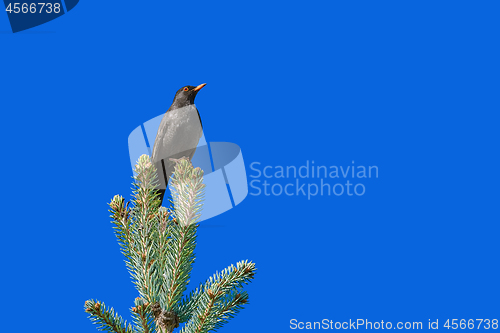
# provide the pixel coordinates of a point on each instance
(199, 87)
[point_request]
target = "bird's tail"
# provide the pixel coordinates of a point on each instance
(165, 168)
(161, 194)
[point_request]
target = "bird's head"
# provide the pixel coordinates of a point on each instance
(185, 96)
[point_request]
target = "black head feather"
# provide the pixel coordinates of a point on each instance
(185, 96)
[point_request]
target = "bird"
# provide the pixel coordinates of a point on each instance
(178, 135)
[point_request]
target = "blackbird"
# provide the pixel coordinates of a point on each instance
(178, 135)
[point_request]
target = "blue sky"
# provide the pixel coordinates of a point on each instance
(409, 87)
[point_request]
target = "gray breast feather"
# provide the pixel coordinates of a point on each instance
(178, 135)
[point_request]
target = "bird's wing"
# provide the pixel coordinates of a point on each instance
(179, 130)
(162, 130)
(199, 118)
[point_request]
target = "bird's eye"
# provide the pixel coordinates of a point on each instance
(186, 89)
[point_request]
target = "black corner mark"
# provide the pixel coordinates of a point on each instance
(24, 14)
(70, 4)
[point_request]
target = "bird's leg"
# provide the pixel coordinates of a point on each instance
(179, 159)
